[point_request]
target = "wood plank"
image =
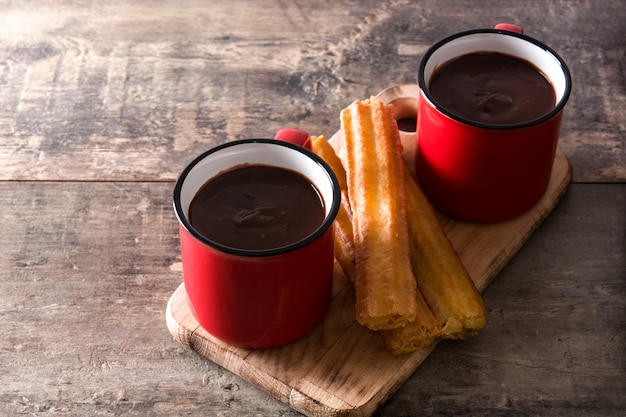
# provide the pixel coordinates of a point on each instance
(554, 343)
(131, 91)
(87, 269)
(134, 91)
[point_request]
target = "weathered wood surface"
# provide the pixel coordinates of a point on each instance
(134, 90)
(88, 269)
(103, 103)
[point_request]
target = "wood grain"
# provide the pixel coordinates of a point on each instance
(131, 91)
(103, 103)
(83, 315)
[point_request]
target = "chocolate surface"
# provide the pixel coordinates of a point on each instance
(494, 88)
(256, 207)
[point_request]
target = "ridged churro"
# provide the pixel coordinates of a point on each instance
(426, 327)
(384, 284)
(409, 281)
(440, 273)
(441, 278)
(325, 150)
(419, 333)
(344, 241)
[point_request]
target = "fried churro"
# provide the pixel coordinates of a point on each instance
(441, 278)
(419, 333)
(440, 273)
(384, 284)
(344, 242)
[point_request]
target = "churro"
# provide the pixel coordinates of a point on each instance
(385, 287)
(441, 278)
(344, 242)
(440, 273)
(419, 333)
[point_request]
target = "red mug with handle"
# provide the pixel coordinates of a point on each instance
(258, 298)
(483, 172)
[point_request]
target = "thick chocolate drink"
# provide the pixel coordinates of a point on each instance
(493, 88)
(257, 207)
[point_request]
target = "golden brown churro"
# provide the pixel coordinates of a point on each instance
(440, 273)
(325, 150)
(386, 244)
(384, 284)
(441, 278)
(419, 333)
(344, 242)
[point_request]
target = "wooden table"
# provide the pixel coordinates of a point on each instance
(104, 103)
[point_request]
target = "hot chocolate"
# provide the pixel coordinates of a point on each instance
(492, 88)
(257, 207)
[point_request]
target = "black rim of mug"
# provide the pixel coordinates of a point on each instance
(328, 219)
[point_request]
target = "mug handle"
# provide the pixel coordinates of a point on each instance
(297, 136)
(511, 27)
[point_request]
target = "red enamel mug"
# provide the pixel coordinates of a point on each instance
(258, 298)
(481, 172)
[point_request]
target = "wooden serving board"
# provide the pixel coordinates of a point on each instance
(342, 368)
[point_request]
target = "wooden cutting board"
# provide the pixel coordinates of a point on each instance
(342, 368)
